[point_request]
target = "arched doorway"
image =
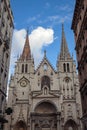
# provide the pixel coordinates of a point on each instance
(45, 107)
(44, 116)
(20, 125)
(70, 125)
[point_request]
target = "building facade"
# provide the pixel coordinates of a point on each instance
(44, 98)
(6, 28)
(79, 26)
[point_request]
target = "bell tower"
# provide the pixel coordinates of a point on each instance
(66, 68)
(20, 87)
(25, 64)
(65, 60)
(68, 81)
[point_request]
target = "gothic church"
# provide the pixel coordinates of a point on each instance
(44, 98)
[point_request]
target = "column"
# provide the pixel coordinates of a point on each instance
(52, 123)
(33, 124)
(58, 122)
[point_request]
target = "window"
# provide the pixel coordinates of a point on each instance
(83, 7)
(80, 17)
(5, 9)
(45, 66)
(67, 79)
(1, 70)
(38, 73)
(26, 66)
(45, 81)
(83, 37)
(51, 73)
(5, 75)
(22, 68)
(3, 22)
(64, 67)
(68, 67)
(8, 17)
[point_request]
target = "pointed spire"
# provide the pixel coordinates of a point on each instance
(64, 53)
(26, 54)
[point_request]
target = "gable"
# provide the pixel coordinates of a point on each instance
(45, 66)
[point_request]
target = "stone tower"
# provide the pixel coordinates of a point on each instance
(44, 98)
(69, 85)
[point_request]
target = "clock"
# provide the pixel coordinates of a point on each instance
(23, 83)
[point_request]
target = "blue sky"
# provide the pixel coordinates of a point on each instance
(43, 18)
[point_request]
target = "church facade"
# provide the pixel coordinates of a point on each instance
(44, 98)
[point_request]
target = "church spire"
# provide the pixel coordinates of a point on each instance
(26, 54)
(64, 53)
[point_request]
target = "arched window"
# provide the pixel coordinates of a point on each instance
(45, 81)
(26, 66)
(68, 70)
(64, 67)
(45, 67)
(22, 68)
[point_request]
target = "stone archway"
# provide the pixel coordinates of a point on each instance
(20, 125)
(44, 116)
(70, 125)
(45, 107)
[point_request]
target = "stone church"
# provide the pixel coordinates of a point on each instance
(44, 98)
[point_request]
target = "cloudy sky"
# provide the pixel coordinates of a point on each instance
(43, 19)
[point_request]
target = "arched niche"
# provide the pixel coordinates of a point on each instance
(70, 125)
(20, 125)
(45, 107)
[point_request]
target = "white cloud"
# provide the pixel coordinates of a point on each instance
(38, 38)
(18, 40)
